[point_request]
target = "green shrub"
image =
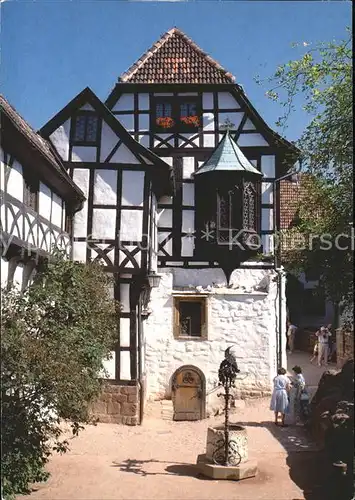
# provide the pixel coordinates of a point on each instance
(54, 337)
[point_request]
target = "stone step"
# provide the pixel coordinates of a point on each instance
(167, 409)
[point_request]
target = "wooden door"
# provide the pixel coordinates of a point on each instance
(188, 394)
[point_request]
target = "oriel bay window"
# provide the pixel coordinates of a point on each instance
(190, 317)
(250, 212)
(228, 214)
(86, 129)
(176, 114)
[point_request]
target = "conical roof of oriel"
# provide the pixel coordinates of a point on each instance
(227, 157)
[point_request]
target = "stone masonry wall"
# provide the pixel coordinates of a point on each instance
(241, 315)
(117, 404)
(344, 346)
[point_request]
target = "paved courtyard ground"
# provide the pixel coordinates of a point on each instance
(156, 461)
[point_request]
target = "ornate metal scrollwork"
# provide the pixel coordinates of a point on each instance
(233, 455)
(188, 378)
(226, 452)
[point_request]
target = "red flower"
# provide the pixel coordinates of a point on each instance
(165, 122)
(190, 120)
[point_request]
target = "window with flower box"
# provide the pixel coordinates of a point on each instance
(177, 114)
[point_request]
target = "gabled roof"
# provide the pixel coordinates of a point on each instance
(274, 138)
(227, 157)
(160, 169)
(175, 58)
(24, 128)
(39, 146)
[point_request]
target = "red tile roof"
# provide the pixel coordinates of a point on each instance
(291, 196)
(40, 144)
(175, 58)
(35, 139)
(289, 200)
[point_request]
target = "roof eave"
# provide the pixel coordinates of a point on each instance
(87, 95)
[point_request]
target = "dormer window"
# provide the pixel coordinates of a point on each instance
(85, 129)
(188, 115)
(176, 114)
(164, 115)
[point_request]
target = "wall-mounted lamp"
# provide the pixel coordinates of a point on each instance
(153, 279)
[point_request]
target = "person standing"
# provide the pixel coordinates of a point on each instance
(298, 389)
(315, 350)
(279, 400)
(323, 335)
(291, 335)
(331, 343)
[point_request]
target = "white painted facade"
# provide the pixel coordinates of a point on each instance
(228, 109)
(129, 229)
(240, 315)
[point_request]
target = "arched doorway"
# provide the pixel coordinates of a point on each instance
(189, 393)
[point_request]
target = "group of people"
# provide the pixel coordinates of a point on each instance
(324, 347)
(290, 397)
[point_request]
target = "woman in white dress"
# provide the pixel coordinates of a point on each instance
(279, 399)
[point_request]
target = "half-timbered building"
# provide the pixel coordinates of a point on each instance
(38, 200)
(179, 173)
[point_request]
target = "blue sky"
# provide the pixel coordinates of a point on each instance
(53, 49)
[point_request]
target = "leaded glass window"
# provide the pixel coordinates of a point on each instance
(190, 317)
(91, 129)
(228, 214)
(249, 207)
(80, 128)
(163, 109)
(31, 189)
(176, 113)
(224, 209)
(188, 114)
(86, 128)
(163, 115)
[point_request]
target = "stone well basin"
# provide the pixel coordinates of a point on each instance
(238, 438)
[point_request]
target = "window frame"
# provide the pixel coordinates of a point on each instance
(226, 235)
(178, 299)
(85, 142)
(175, 103)
(30, 191)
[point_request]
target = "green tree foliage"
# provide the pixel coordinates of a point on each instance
(54, 337)
(322, 80)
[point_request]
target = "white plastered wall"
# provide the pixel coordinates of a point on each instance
(239, 316)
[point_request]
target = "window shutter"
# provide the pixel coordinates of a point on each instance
(204, 309)
(176, 319)
(31, 187)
